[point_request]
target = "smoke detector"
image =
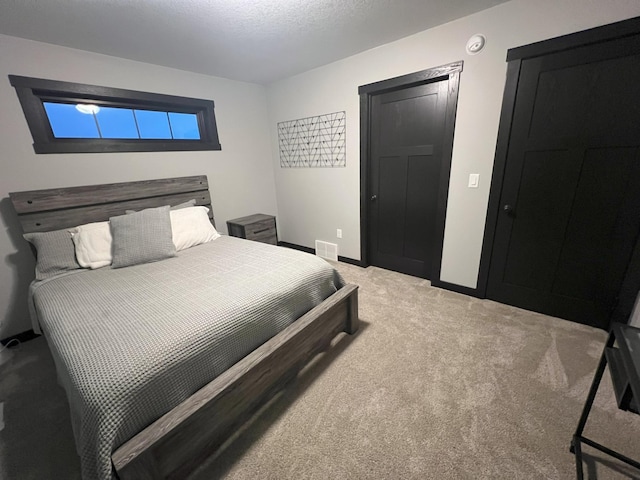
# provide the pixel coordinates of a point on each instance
(476, 44)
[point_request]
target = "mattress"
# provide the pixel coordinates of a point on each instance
(130, 344)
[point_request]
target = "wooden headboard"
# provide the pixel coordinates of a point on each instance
(57, 208)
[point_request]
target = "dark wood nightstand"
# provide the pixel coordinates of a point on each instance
(258, 227)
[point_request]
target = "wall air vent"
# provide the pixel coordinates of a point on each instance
(327, 250)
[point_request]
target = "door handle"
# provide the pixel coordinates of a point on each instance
(508, 209)
(374, 198)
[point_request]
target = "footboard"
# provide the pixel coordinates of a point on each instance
(180, 440)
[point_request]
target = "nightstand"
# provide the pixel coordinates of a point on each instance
(258, 227)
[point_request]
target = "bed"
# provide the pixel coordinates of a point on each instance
(162, 361)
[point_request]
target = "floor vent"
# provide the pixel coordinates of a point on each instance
(327, 250)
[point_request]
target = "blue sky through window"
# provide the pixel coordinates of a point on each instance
(67, 122)
(120, 123)
(117, 123)
(184, 126)
(153, 124)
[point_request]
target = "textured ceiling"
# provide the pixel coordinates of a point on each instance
(252, 40)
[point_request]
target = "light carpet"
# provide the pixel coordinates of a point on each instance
(435, 385)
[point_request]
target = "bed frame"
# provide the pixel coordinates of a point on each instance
(176, 443)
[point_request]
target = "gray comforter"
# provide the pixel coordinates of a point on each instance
(130, 344)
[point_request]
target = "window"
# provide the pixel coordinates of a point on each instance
(69, 120)
(69, 117)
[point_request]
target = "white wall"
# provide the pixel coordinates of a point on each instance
(240, 176)
(312, 203)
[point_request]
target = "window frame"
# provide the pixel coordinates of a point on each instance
(32, 92)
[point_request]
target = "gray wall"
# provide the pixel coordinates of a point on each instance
(313, 202)
(240, 176)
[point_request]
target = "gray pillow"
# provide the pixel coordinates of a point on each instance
(56, 253)
(190, 203)
(141, 237)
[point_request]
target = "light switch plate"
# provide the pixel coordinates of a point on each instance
(474, 180)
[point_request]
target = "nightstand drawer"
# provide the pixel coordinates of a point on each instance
(258, 227)
(266, 237)
(263, 235)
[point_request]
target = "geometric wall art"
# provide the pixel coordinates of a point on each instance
(313, 141)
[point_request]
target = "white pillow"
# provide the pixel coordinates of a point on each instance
(191, 226)
(93, 244)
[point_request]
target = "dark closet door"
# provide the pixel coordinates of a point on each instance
(570, 201)
(407, 129)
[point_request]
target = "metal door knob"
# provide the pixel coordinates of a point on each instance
(374, 197)
(508, 209)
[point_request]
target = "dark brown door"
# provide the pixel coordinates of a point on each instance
(570, 201)
(407, 129)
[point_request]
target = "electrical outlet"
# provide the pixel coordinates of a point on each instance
(339, 233)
